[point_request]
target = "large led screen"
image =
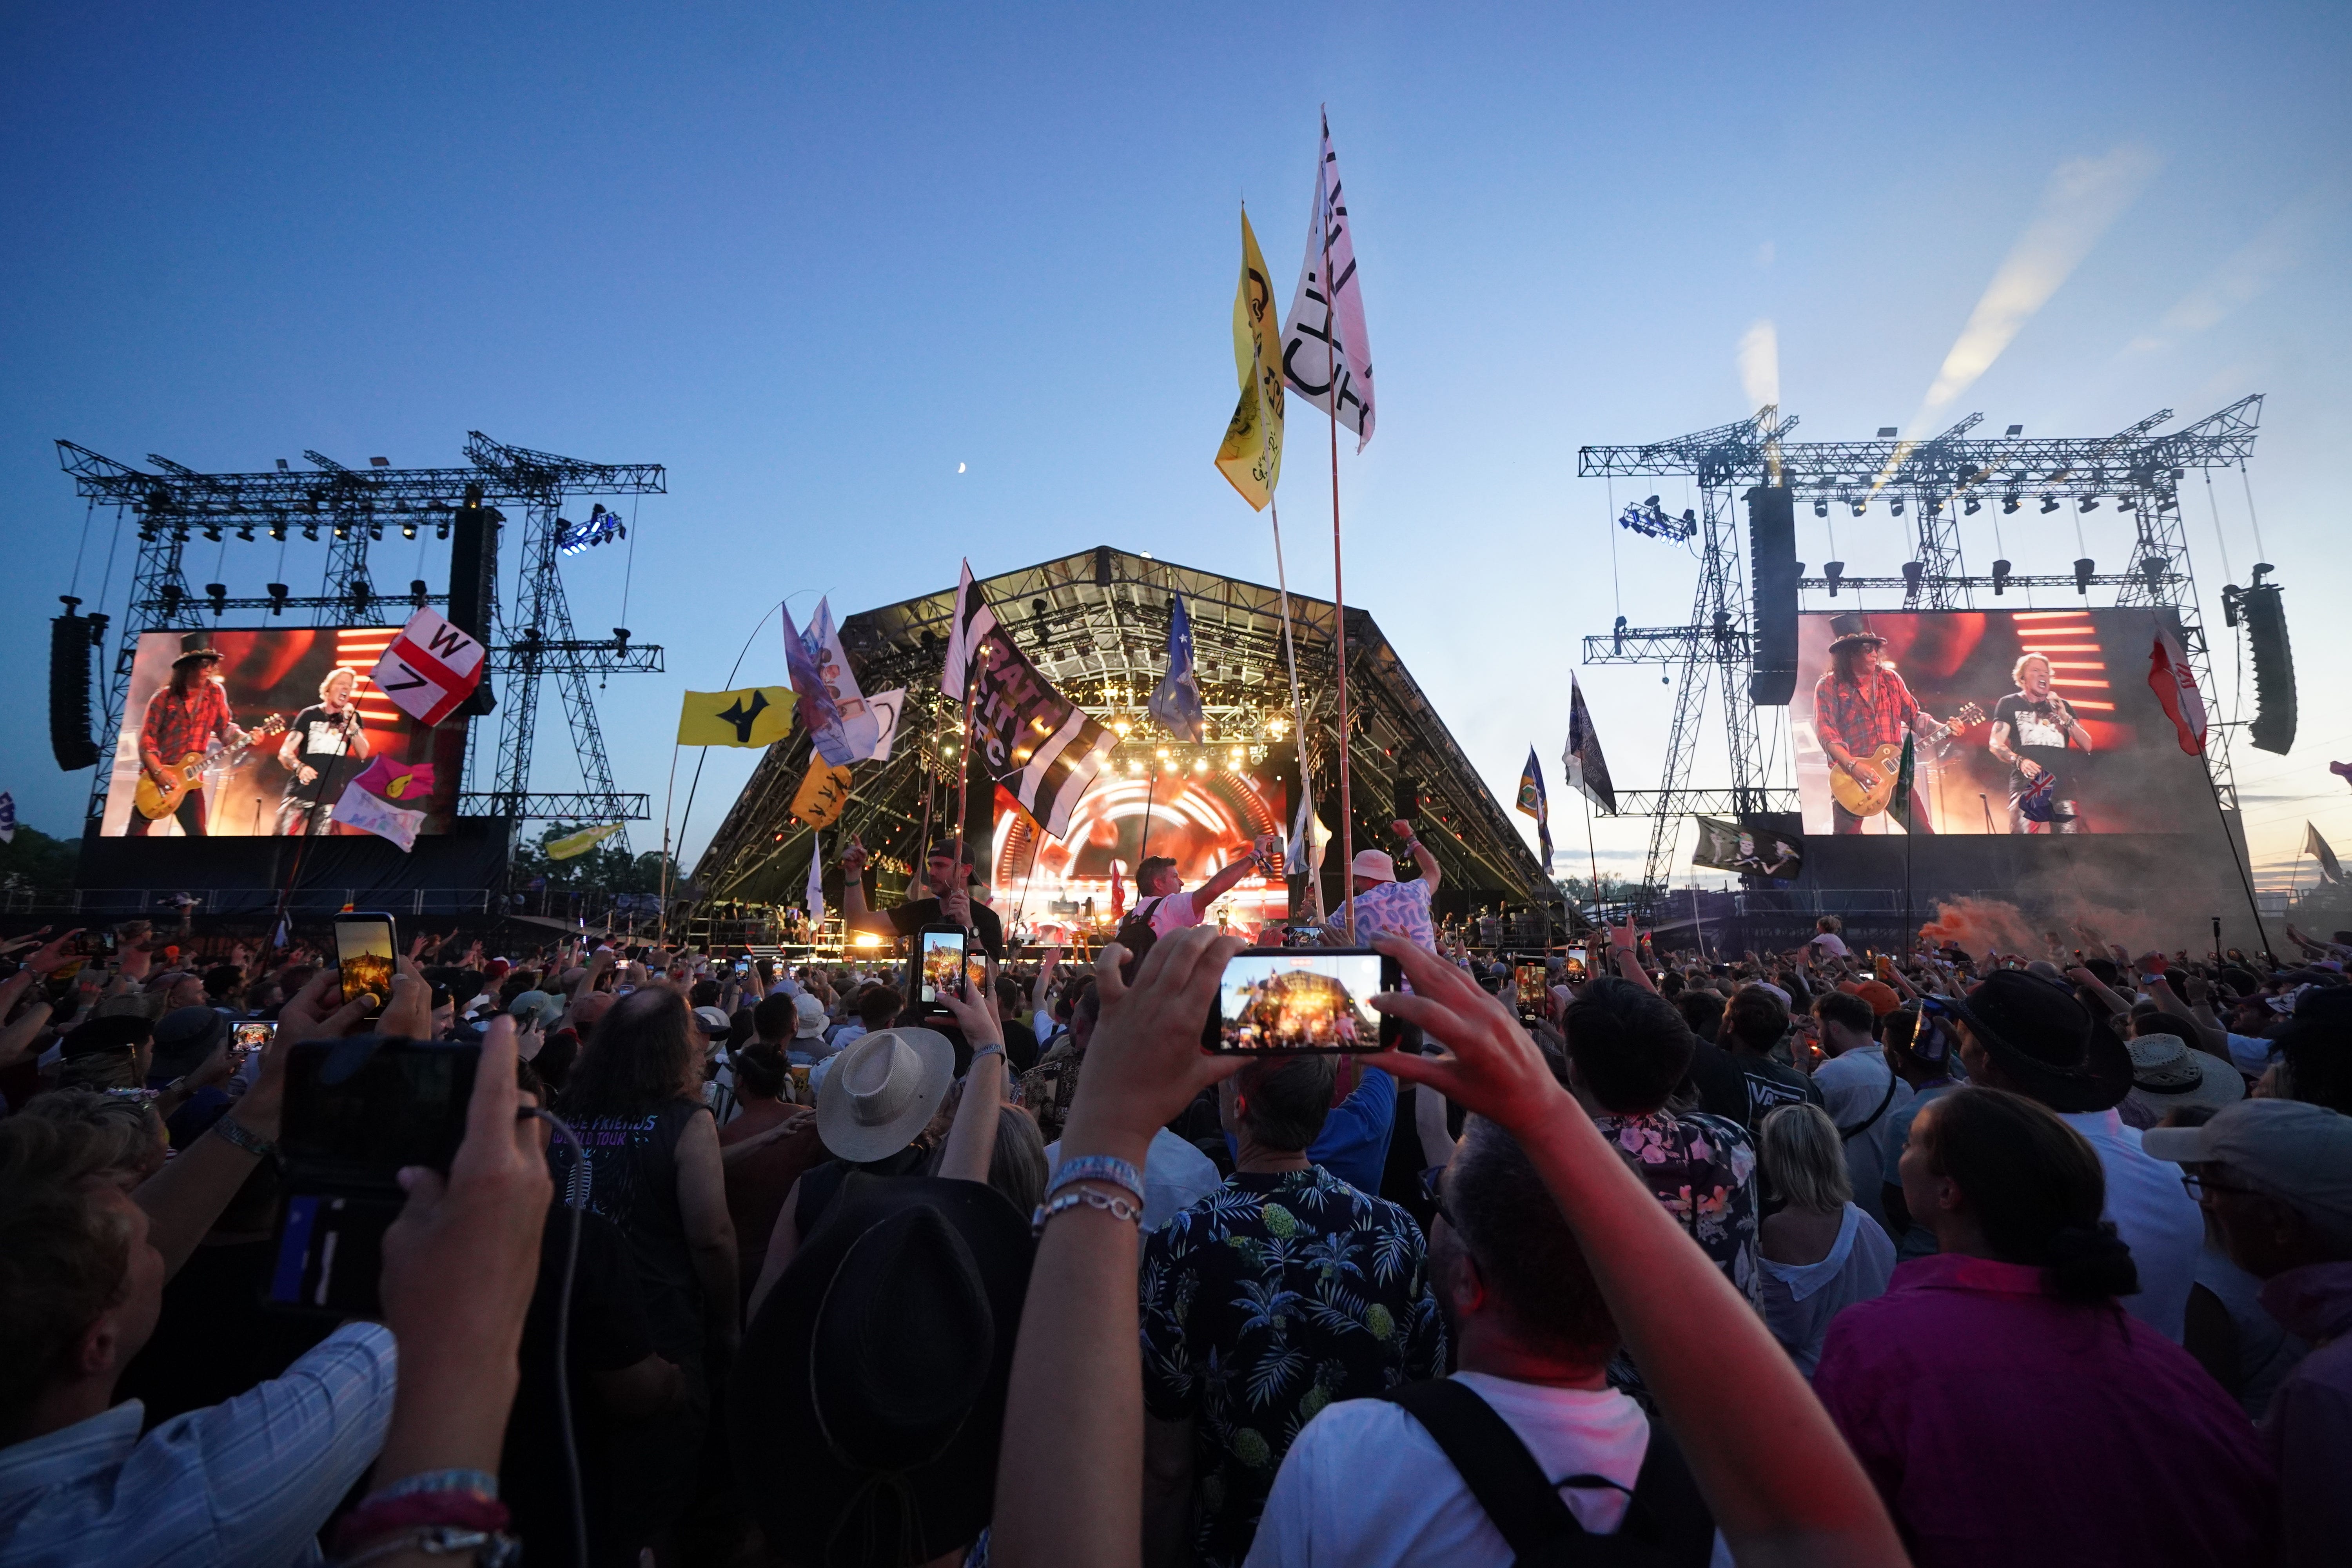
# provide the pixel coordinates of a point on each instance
(309, 718)
(1203, 820)
(2042, 723)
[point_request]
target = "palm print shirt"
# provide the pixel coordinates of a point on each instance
(1263, 1302)
(1703, 1168)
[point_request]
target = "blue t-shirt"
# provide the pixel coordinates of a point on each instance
(1354, 1143)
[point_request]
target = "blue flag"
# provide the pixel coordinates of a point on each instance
(1177, 701)
(1535, 803)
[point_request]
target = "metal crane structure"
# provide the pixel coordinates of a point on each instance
(1939, 481)
(532, 639)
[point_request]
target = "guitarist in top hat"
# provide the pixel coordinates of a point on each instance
(1861, 705)
(181, 722)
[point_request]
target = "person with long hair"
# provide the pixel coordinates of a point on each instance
(1860, 706)
(1822, 1252)
(635, 1100)
(2007, 1408)
(181, 721)
(322, 745)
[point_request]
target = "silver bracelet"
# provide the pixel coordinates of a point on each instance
(488, 1551)
(246, 1139)
(1117, 1207)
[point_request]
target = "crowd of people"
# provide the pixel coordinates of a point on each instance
(1809, 1257)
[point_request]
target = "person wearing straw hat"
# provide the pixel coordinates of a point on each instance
(1860, 705)
(181, 722)
(2167, 1076)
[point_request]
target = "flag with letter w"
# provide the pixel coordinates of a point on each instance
(430, 669)
(1038, 745)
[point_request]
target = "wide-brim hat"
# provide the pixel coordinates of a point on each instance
(196, 645)
(715, 1022)
(183, 1037)
(875, 1374)
(2167, 1075)
(882, 1090)
(2046, 1042)
(1852, 630)
(1372, 866)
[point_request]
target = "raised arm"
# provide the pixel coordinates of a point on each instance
(972, 1139)
(855, 915)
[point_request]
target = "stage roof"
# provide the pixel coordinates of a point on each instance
(1097, 624)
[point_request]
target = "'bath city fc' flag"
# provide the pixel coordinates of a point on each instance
(1324, 343)
(1588, 769)
(755, 716)
(1250, 457)
(1535, 804)
(1043, 749)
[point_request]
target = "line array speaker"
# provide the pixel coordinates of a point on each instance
(1772, 581)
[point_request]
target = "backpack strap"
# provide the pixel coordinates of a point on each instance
(1667, 1510)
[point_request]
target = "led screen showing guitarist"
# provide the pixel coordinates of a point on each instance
(1861, 708)
(181, 721)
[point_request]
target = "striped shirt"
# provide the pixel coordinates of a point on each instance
(246, 1482)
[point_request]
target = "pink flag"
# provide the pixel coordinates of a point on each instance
(2174, 685)
(407, 785)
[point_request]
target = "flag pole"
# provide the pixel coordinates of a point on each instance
(661, 936)
(1592, 859)
(1339, 593)
(1297, 710)
(2262, 934)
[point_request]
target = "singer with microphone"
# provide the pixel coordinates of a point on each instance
(2032, 728)
(321, 745)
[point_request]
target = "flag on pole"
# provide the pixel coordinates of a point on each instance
(1043, 749)
(1899, 807)
(1588, 769)
(824, 793)
(1177, 701)
(814, 893)
(578, 843)
(430, 669)
(818, 708)
(1250, 457)
(2316, 847)
(1534, 803)
(1118, 893)
(1324, 340)
(753, 716)
(2174, 685)
(7, 816)
(1308, 837)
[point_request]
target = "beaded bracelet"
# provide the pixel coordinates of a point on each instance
(244, 1138)
(1087, 1197)
(488, 1549)
(481, 1483)
(1109, 1168)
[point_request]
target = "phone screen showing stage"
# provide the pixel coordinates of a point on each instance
(363, 951)
(1299, 1000)
(1533, 991)
(942, 963)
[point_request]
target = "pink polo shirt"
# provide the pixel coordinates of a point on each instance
(2004, 1426)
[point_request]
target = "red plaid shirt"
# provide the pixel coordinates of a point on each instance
(177, 726)
(1860, 719)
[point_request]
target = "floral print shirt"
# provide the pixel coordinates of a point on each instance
(1703, 1168)
(1263, 1302)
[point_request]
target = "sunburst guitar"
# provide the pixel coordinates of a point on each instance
(1887, 761)
(155, 801)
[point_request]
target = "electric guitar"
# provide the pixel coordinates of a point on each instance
(1887, 761)
(156, 801)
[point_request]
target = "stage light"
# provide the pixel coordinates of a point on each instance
(1163, 754)
(1238, 756)
(1820, 509)
(2049, 504)
(2088, 503)
(1619, 633)
(218, 594)
(1120, 727)
(171, 594)
(2016, 429)
(1834, 571)
(1278, 727)
(1199, 765)
(2000, 571)
(1650, 520)
(277, 529)
(408, 530)
(212, 533)
(1912, 572)
(277, 592)
(311, 533)
(2082, 570)
(244, 532)
(342, 532)
(1973, 506)
(1886, 431)
(379, 462)
(2008, 504)
(1860, 506)
(1896, 506)
(361, 595)
(1134, 766)
(2152, 568)
(418, 591)
(282, 465)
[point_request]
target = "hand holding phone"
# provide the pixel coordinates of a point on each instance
(366, 947)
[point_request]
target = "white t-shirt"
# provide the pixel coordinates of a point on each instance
(1366, 1485)
(2154, 1215)
(1831, 944)
(1174, 912)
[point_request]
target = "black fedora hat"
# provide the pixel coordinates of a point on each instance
(196, 645)
(874, 1376)
(185, 1037)
(2046, 1043)
(1852, 630)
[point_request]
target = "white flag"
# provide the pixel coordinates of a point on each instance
(815, 893)
(430, 669)
(1308, 837)
(357, 808)
(1323, 339)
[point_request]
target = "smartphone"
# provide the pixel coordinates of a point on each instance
(1575, 969)
(940, 965)
(357, 1110)
(252, 1034)
(975, 973)
(364, 946)
(1534, 983)
(1302, 999)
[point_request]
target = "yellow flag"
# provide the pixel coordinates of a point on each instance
(580, 842)
(1251, 454)
(755, 716)
(822, 795)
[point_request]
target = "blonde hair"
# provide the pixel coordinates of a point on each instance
(336, 674)
(1803, 1159)
(2017, 670)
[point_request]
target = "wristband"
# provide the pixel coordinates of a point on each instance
(481, 1483)
(246, 1139)
(993, 1048)
(1108, 1168)
(1087, 1197)
(490, 1549)
(379, 1516)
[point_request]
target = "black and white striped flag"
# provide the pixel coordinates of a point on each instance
(1039, 746)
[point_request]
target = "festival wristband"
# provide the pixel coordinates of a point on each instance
(1108, 1168)
(1084, 1197)
(250, 1142)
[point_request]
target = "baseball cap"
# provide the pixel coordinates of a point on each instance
(2298, 1152)
(1877, 992)
(536, 1007)
(1372, 866)
(808, 1016)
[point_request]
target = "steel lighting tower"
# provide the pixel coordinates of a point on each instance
(1938, 482)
